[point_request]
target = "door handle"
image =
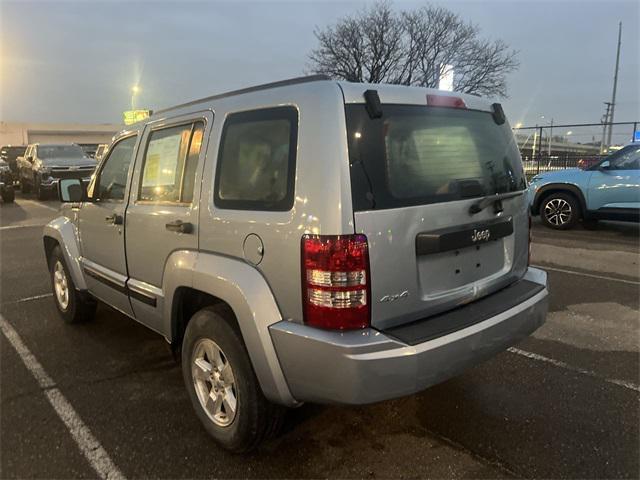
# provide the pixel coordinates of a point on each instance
(114, 219)
(179, 226)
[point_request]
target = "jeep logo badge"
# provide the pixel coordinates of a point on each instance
(482, 235)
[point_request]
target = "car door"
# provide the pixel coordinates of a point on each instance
(614, 187)
(102, 224)
(162, 216)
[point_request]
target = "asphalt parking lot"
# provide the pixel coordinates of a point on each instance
(562, 404)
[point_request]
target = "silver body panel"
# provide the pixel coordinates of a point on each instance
(147, 220)
(368, 366)
(150, 265)
(322, 202)
(444, 280)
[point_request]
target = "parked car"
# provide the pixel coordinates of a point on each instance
(608, 190)
(100, 151)
(310, 241)
(43, 165)
(10, 154)
(6, 182)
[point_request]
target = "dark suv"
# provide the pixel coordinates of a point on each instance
(10, 154)
(6, 182)
(42, 166)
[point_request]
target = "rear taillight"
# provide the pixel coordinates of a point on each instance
(336, 281)
(445, 101)
(530, 237)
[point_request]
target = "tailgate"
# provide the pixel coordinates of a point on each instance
(410, 282)
(416, 172)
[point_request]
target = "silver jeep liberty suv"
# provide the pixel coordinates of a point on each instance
(307, 241)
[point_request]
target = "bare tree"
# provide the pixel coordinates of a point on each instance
(379, 45)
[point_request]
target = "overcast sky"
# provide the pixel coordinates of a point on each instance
(75, 61)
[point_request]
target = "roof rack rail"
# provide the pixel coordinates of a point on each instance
(265, 86)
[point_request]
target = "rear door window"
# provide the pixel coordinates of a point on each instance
(417, 155)
(170, 164)
(256, 163)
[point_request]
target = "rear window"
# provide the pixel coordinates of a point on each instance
(417, 155)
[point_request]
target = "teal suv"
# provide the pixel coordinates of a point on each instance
(609, 190)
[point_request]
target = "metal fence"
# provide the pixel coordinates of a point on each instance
(555, 147)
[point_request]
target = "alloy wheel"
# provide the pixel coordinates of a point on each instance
(558, 211)
(60, 285)
(214, 382)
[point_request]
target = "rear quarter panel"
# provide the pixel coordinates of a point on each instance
(322, 203)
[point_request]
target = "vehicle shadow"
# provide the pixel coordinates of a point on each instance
(11, 213)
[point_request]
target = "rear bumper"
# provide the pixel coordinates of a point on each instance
(366, 366)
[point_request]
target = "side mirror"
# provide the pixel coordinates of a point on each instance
(71, 190)
(606, 165)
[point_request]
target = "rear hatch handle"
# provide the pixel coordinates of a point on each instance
(496, 200)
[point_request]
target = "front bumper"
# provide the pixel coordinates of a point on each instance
(366, 366)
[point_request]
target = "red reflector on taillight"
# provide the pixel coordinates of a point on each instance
(336, 281)
(445, 101)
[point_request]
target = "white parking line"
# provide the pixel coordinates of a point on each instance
(566, 366)
(38, 204)
(35, 297)
(29, 225)
(591, 275)
(90, 447)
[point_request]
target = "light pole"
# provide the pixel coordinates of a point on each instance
(134, 91)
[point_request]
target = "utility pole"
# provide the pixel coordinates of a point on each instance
(605, 123)
(615, 84)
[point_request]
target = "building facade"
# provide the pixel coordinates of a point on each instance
(16, 133)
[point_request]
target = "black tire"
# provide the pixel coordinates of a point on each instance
(8, 195)
(41, 193)
(255, 417)
(560, 211)
(25, 186)
(80, 307)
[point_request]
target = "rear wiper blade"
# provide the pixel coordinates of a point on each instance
(495, 199)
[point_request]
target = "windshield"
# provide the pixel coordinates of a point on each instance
(60, 151)
(627, 158)
(416, 155)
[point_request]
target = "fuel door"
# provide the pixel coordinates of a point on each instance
(253, 249)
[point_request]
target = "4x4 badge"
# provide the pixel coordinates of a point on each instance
(394, 297)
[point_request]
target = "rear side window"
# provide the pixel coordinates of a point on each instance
(256, 163)
(170, 164)
(417, 155)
